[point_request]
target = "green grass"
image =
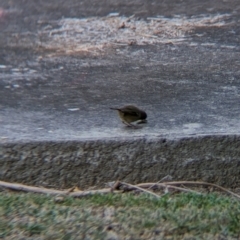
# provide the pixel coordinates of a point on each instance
(179, 216)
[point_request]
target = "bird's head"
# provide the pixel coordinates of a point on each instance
(143, 115)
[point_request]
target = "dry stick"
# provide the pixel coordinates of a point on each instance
(92, 192)
(165, 185)
(139, 188)
(25, 188)
(115, 186)
(70, 190)
(120, 44)
(183, 189)
(21, 187)
(148, 35)
(195, 183)
(207, 184)
(142, 185)
(177, 188)
(161, 180)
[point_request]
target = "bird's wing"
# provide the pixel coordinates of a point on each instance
(130, 111)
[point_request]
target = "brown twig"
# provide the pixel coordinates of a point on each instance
(25, 188)
(148, 35)
(139, 188)
(91, 192)
(165, 185)
(206, 184)
(115, 185)
(191, 183)
(70, 190)
(161, 180)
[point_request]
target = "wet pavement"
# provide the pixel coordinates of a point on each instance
(62, 66)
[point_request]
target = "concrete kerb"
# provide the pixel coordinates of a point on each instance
(87, 163)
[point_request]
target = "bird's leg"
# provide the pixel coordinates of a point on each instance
(142, 121)
(129, 124)
(126, 124)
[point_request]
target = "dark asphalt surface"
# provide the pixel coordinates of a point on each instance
(191, 87)
(60, 74)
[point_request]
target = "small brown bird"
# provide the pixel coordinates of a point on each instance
(130, 114)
